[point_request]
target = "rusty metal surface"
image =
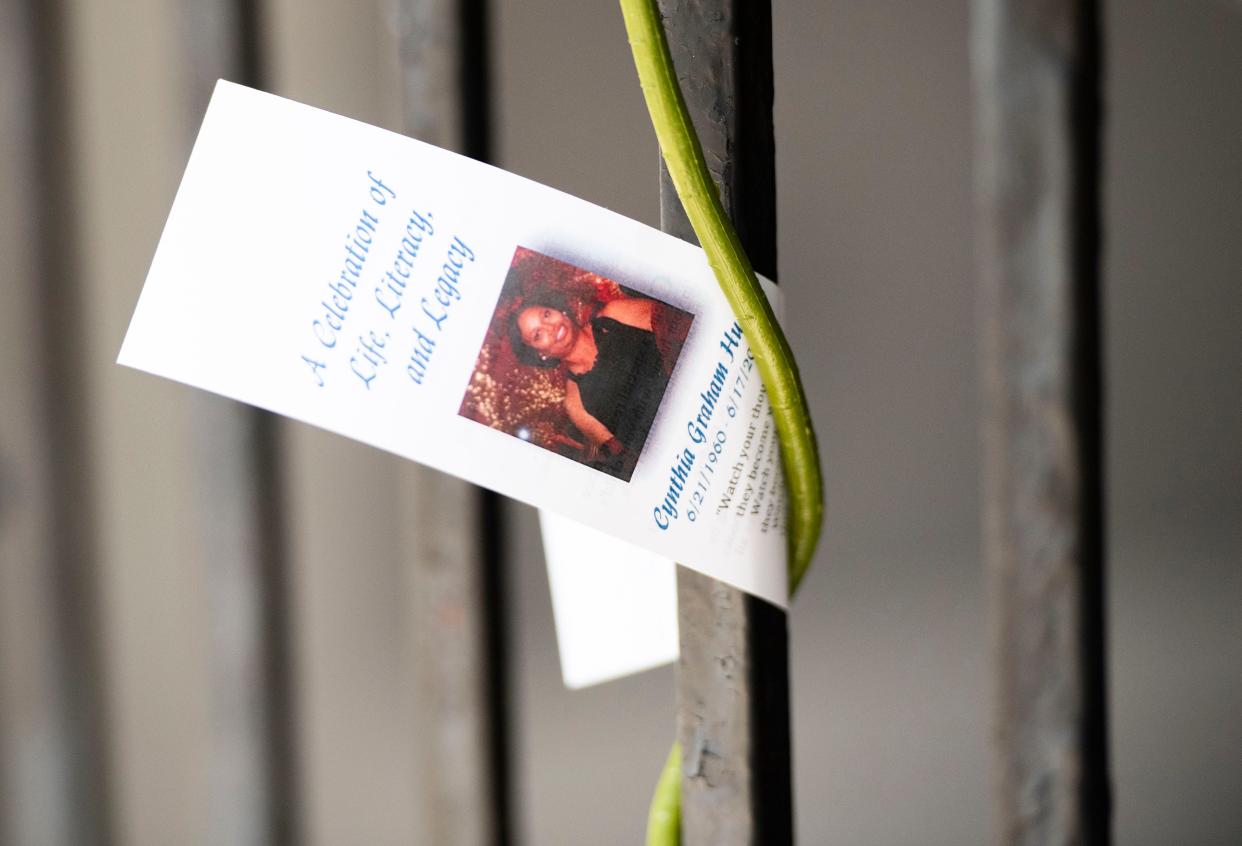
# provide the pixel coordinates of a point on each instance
(1036, 68)
(451, 537)
(732, 677)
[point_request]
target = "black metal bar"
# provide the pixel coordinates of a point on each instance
(54, 755)
(254, 775)
(494, 542)
(456, 530)
(279, 659)
(733, 674)
(474, 63)
(1037, 71)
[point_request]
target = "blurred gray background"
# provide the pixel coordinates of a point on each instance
(890, 667)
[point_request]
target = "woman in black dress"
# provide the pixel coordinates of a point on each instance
(617, 363)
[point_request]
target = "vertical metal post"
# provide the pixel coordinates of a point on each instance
(452, 533)
(52, 754)
(732, 682)
(1037, 129)
(252, 781)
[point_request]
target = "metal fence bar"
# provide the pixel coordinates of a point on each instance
(732, 681)
(52, 761)
(452, 530)
(272, 575)
(252, 781)
(1036, 70)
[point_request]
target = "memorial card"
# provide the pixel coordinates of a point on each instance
(471, 320)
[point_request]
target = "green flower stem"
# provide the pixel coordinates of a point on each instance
(684, 157)
(799, 454)
(664, 818)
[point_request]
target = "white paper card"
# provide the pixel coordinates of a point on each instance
(615, 610)
(471, 320)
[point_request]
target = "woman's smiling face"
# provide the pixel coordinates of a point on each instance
(547, 330)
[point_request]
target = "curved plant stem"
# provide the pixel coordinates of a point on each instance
(683, 155)
(701, 200)
(664, 818)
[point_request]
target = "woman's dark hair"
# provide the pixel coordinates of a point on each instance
(544, 299)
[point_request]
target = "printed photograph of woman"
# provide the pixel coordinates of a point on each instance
(575, 363)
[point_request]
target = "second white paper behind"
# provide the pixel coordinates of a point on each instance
(615, 609)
